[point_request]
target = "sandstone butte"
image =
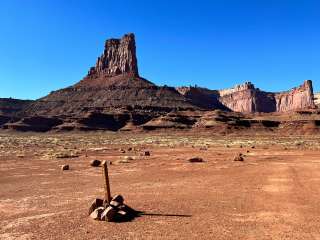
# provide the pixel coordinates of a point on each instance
(113, 96)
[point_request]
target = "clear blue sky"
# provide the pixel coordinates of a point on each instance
(50, 44)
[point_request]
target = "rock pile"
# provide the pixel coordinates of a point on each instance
(238, 157)
(115, 211)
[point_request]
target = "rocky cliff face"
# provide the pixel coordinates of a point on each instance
(317, 99)
(112, 85)
(298, 98)
(11, 106)
(201, 97)
(247, 98)
(113, 96)
(119, 57)
(239, 98)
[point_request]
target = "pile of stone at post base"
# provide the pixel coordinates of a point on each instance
(115, 211)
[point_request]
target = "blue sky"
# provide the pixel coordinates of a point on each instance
(50, 44)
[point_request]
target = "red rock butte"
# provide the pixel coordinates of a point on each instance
(113, 96)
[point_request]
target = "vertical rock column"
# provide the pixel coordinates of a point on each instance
(119, 57)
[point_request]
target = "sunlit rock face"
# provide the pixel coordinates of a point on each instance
(317, 99)
(247, 98)
(119, 57)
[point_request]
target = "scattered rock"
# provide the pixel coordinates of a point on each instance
(65, 167)
(95, 204)
(115, 204)
(95, 163)
(118, 198)
(147, 153)
(203, 148)
(129, 158)
(129, 149)
(108, 214)
(253, 147)
(238, 157)
(96, 214)
(195, 160)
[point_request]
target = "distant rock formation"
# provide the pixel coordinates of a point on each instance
(11, 106)
(112, 96)
(113, 85)
(119, 57)
(246, 98)
(317, 99)
(202, 97)
(297, 99)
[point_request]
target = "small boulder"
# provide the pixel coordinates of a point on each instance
(96, 214)
(95, 204)
(95, 163)
(118, 198)
(108, 214)
(65, 167)
(196, 160)
(147, 153)
(114, 204)
(238, 157)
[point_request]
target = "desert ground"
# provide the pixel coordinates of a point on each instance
(273, 194)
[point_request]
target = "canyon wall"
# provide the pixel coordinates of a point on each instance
(246, 98)
(317, 99)
(298, 98)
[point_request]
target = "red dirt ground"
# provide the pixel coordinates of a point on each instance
(273, 194)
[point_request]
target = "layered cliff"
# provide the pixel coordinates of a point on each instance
(119, 57)
(247, 98)
(113, 96)
(317, 99)
(111, 85)
(298, 98)
(11, 106)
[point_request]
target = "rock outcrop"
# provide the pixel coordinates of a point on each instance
(112, 96)
(248, 99)
(119, 57)
(297, 99)
(317, 99)
(202, 97)
(11, 106)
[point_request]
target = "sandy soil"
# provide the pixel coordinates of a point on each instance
(273, 194)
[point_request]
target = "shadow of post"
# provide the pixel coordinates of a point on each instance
(132, 214)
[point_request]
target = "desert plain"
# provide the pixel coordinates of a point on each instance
(273, 194)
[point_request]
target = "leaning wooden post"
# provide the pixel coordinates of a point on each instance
(106, 182)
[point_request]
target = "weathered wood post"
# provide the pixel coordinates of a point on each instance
(106, 182)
